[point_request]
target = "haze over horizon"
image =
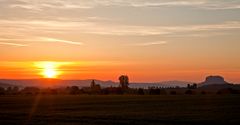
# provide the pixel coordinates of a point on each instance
(149, 40)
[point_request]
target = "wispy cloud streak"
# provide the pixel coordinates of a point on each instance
(88, 4)
(151, 43)
(12, 44)
(28, 26)
(41, 26)
(60, 41)
(36, 39)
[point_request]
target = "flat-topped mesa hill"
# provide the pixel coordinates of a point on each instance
(210, 80)
(214, 81)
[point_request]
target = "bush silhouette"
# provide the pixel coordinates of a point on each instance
(173, 93)
(228, 91)
(189, 92)
(154, 91)
(140, 91)
(30, 91)
(74, 90)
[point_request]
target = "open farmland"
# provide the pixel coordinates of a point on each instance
(123, 109)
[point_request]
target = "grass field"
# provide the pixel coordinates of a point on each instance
(114, 110)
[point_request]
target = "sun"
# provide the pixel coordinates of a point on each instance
(49, 69)
(50, 73)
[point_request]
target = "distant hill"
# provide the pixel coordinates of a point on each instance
(211, 82)
(86, 83)
(53, 82)
(4, 85)
(214, 80)
(164, 84)
(216, 83)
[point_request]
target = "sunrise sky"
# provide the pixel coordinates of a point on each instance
(149, 40)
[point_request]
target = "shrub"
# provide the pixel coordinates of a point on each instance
(173, 93)
(140, 91)
(189, 92)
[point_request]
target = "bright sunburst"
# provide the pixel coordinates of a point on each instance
(49, 69)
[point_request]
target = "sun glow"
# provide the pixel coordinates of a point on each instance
(50, 72)
(50, 69)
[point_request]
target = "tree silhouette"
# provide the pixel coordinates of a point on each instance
(95, 88)
(31, 90)
(124, 81)
(93, 84)
(154, 91)
(193, 86)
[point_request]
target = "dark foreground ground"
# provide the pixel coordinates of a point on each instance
(114, 110)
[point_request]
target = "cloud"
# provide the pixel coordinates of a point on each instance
(36, 28)
(41, 5)
(151, 43)
(167, 3)
(221, 5)
(12, 44)
(200, 4)
(36, 39)
(60, 41)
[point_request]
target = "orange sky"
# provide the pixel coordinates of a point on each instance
(110, 71)
(149, 40)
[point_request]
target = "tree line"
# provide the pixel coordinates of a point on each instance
(123, 88)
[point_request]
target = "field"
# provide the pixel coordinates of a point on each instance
(114, 110)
